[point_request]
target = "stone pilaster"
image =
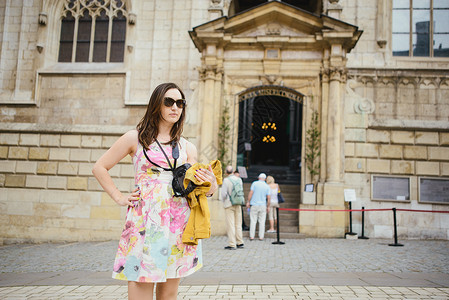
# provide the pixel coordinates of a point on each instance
(211, 76)
(334, 126)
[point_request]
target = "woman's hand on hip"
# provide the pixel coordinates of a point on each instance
(129, 199)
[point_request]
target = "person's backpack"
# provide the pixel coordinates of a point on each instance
(237, 196)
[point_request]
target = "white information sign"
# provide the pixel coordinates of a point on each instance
(242, 172)
(247, 146)
(350, 195)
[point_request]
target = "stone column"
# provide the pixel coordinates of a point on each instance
(207, 106)
(334, 127)
(324, 115)
(333, 195)
(210, 112)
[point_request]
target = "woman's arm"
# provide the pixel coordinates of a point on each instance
(126, 144)
(201, 174)
(192, 153)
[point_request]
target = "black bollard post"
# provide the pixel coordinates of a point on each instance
(395, 231)
(350, 221)
(278, 242)
(363, 237)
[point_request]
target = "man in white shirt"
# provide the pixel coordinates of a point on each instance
(233, 212)
(259, 201)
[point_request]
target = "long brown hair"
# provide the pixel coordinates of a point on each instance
(148, 126)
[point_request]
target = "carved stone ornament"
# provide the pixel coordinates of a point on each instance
(364, 105)
(337, 74)
(381, 43)
(132, 17)
(270, 79)
(324, 72)
(361, 104)
(273, 29)
(43, 18)
(210, 72)
(215, 4)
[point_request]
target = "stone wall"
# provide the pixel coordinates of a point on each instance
(400, 140)
(57, 119)
(48, 192)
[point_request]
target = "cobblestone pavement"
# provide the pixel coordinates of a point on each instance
(231, 292)
(300, 269)
(304, 255)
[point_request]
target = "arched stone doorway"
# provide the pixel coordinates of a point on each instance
(275, 43)
(269, 133)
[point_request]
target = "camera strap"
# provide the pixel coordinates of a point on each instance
(175, 154)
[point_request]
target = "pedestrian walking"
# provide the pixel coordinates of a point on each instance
(233, 199)
(259, 203)
(274, 190)
(150, 248)
(244, 226)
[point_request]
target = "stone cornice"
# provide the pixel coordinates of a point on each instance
(435, 77)
(397, 72)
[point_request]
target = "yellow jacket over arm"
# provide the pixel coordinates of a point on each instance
(198, 226)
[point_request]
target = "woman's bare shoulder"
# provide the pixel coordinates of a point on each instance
(189, 144)
(131, 136)
(192, 152)
(132, 139)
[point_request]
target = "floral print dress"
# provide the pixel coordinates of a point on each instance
(150, 247)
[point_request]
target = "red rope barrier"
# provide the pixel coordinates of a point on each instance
(371, 209)
(418, 210)
(303, 209)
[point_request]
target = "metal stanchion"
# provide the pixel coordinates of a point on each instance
(278, 242)
(395, 231)
(350, 234)
(363, 237)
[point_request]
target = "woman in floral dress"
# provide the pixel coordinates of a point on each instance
(150, 249)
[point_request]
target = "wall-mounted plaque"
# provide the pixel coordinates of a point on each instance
(242, 172)
(434, 190)
(390, 188)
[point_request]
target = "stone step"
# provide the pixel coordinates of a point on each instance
(294, 190)
(288, 220)
(281, 174)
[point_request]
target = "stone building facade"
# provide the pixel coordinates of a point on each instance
(76, 74)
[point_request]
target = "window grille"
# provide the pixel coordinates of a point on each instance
(93, 31)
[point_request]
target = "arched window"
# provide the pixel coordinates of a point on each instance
(93, 31)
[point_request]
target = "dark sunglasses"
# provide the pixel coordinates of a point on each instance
(180, 103)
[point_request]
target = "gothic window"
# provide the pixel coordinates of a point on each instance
(421, 28)
(93, 31)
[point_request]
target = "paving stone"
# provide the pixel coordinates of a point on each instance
(300, 269)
